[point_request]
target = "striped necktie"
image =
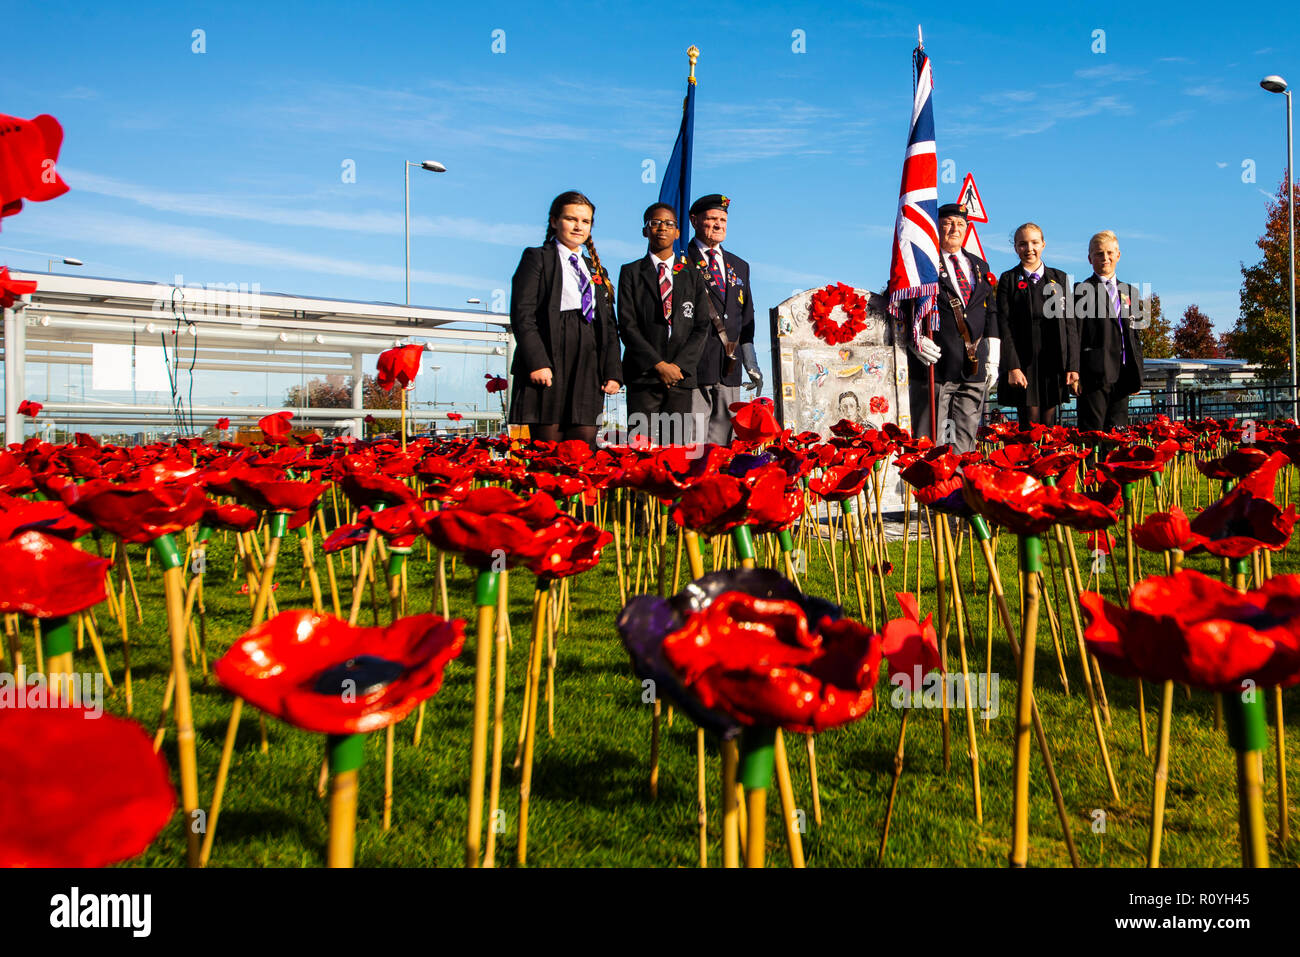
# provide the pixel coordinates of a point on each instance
(584, 287)
(960, 276)
(716, 271)
(666, 293)
(1112, 288)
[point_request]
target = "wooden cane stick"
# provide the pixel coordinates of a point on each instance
(1160, 780)
(786, 791)
(345, 755)
(498, 720)
(174, 589)
(965, 672)
(485, 598)
(702, 814)
(893, 787)
(540, 601)
(730, 806)
(1029, 546)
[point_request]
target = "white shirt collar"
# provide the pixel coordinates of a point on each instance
(565, 252)
(669, 261)
(1040, 269)
(705, 247)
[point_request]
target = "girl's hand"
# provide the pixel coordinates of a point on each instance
(1017, 378)
(612, 387)
(541, 377)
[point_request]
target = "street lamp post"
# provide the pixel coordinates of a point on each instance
(67, 261)
(435, 370)
(1275, 84)
(432, 167)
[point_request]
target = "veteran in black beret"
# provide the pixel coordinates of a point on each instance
(730, 342)
(964, 350)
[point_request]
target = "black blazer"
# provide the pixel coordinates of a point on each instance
(535, 314)
(1018, 310)
(735, 305)
(647, 338)
(1100, 338)
(981, 316)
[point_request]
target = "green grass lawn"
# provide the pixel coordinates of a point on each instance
(591, 804)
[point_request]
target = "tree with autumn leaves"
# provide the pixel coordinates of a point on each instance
(1155, 334)
(335, 392)
(1261, 335)
(1194, 338)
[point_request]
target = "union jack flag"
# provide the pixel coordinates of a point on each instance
(914, 264)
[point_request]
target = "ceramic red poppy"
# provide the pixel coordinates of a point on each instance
(10, 290)
(49, 517)
(1247, 518)
(29, 154)
(398, 367)
(276, 427)
(1135, 462)
(839, 482)
(1198, 631)
(223, 423)
(910, 645)
(932, 475)
(135, 513)
(493, 528)
(46, 577)
(320, 674)
(575, 549)
(1162, 531)
(270, 490)
(363, 484)
(495, 383)
(764, 663)
(78, 789)
(1024, 505)
(29, 408)
(754, 421)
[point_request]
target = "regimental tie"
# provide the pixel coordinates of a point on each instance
(1112, 289)
(584, 287)
(960, 276)
(716, 271)
(666, 293)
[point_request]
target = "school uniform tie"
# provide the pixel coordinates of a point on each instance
(1033, 277)
(666, 294)
(1112, 289)
(960, 276)
(584, 287)
(716, 271)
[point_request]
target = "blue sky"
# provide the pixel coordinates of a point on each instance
(226, 166)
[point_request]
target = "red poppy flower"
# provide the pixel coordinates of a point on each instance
(910, 646)
(29, 408)
(576, 549)
(364, 485)
(275, 427)
(754, 421)
(1022, 285)
(398, 366)
(1026, 506)
(495, 383)
(878, 405)
(713, 505)
(762, 662)
(556, 486)
(399, 525)
(270, 490)
(11, 289)
(78, 789)
(1136, 462)
(1235, 464)
(1100, 540)
(15, 478)
(346, 536)
(46, 577)
(49, 517)
(993, 280)
(839, 482)
(455, 416)
(933, 475)
(1166, 530)
(1197, 631)
(223, 423)
(320, 674)
(1246, 518)
(663, 473)
(234, 517)
(136, 514)
(29, 154)
(494, 528)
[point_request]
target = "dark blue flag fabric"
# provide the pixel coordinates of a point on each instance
(676, 185)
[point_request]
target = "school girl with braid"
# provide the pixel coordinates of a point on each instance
(566, 341)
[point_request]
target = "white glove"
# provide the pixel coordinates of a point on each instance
(929, 351)
(991, 363)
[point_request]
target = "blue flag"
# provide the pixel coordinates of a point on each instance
(676, 187)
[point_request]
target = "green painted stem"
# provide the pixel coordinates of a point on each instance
(485, 589)
(345, 751)
(757, 757)
(56, 637)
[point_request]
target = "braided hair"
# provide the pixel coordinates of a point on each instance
(573, 197)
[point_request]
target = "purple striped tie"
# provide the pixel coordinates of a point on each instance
(1113, 289)
(584, 287)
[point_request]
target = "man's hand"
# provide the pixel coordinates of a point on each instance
(1017, 378)
(669, 373)
(541, 377)
(612, 387)
(929, 351)
(1072, 381)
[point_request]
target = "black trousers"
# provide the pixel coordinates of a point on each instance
(660, 413)
(1103, 409)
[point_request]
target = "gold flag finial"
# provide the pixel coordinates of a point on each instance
(694, 53)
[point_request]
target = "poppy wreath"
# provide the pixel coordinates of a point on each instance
(824, 302)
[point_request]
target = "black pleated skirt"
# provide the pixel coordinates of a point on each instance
(574, 396)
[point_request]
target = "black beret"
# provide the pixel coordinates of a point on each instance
(706, 203)
(954, 209)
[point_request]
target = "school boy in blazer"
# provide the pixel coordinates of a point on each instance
(663, 320)
(1110, 354)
